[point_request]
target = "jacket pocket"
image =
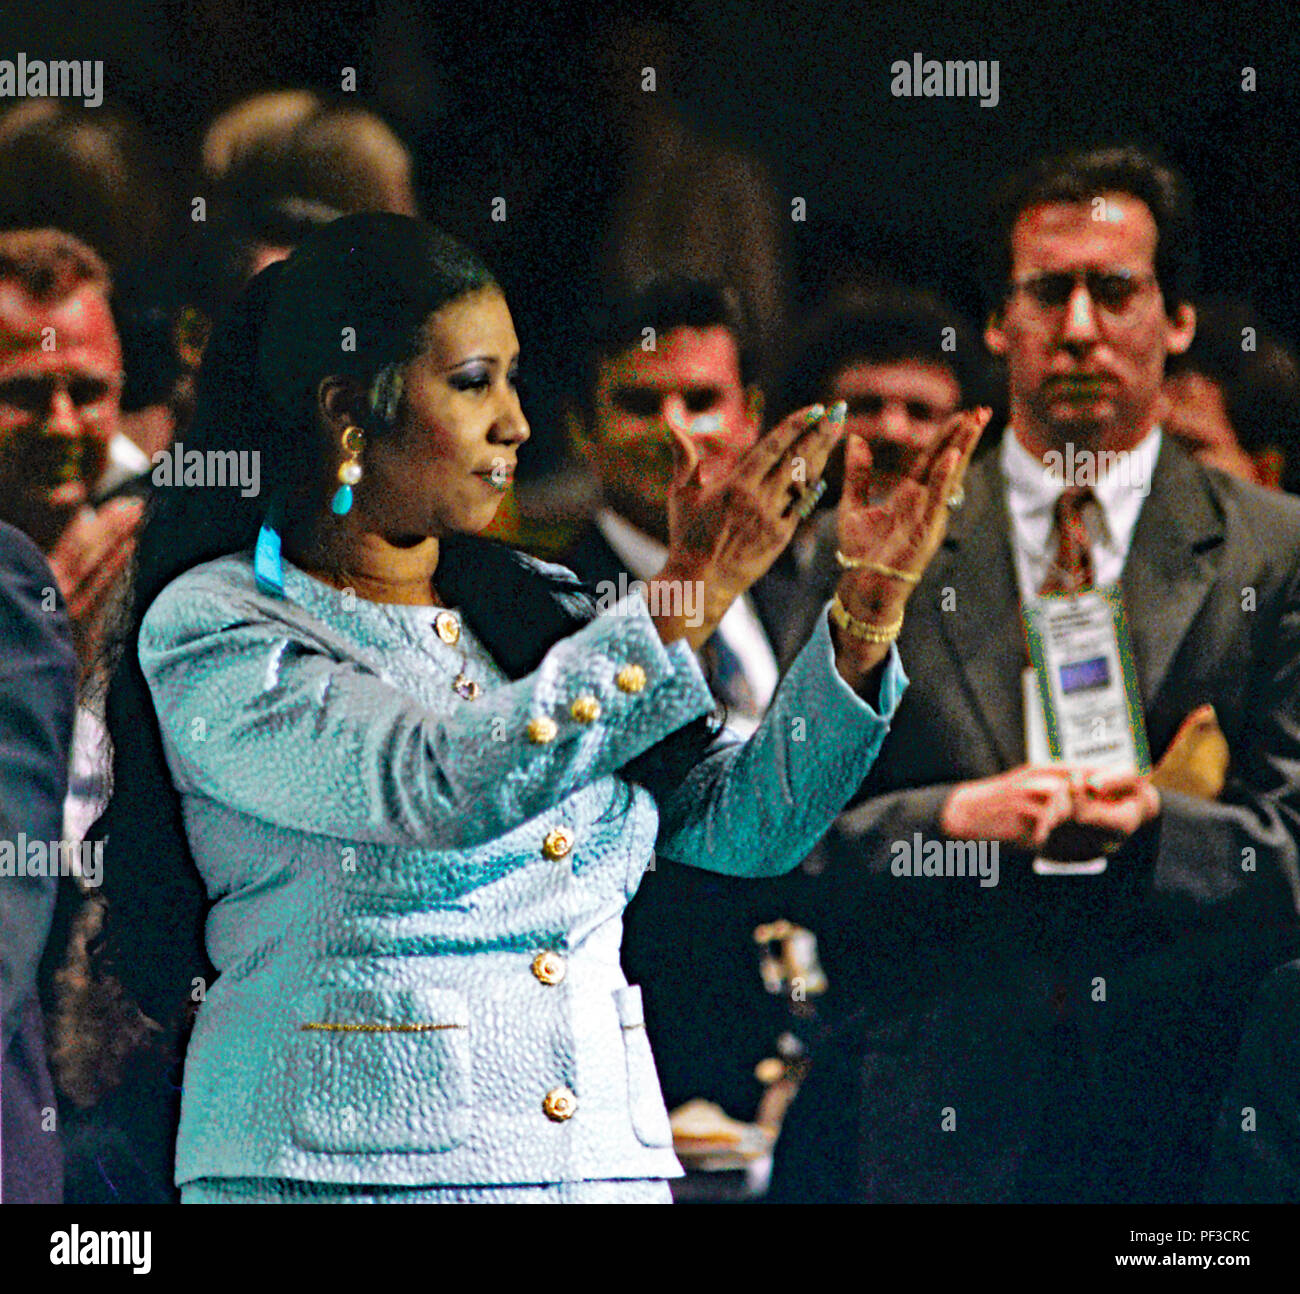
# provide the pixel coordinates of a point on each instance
(381, 1070)
(645, 1099)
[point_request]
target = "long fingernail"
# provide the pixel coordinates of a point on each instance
(838, 411)
(816, 413)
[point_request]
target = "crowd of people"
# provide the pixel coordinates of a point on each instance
(235, 709)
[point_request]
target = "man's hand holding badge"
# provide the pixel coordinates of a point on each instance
(1106, 808)
(1083, 713)
(1061, 812)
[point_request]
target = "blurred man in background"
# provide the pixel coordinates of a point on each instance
(38, 673)
(87, 171)
(904, 362)
(674, 353)
(60, 388)
(681, 352)
(1234, 397)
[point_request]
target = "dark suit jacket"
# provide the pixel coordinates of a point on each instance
(688, 934)
(1256, 1155)
(988, 1001)
(37, 697)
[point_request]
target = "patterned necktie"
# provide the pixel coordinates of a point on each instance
(1071, 572)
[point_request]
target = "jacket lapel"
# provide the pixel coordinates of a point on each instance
(983, 629)
(773, 596)
(1172, 563)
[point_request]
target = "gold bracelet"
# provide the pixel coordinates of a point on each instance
(862, 564)
(860, 628)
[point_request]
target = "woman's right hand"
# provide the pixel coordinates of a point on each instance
(723, 535)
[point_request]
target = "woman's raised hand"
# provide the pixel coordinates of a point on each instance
(725, 533)
(884, 546)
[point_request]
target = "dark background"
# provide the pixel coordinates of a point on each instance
(500, 99)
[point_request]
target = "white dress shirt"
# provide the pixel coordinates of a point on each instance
(740, 628)
(1110, 516)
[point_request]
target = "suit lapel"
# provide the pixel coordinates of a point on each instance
(773, 596)
(983, 629)
(1172, 563)
(808, 594)
(592, 559)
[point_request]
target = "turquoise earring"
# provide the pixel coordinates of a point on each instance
(354, 441)
(268, 569)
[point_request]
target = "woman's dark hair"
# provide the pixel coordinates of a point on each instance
(352, 300)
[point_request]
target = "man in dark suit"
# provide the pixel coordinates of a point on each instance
(38, 673)
(1256, 1157)
(1054, 1037)
(60, 405)
(681, 351)
(904, 362)
(1234, 397)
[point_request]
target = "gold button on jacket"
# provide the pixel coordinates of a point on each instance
(559, 1104)
(631, 678)
(557, 843)
(585, 709)
(541, 730)
(447, 627)
(549, 967)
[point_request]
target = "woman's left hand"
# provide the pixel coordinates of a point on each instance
(888, 544)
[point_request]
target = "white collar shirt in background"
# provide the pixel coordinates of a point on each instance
(126, 461)
(740, 628)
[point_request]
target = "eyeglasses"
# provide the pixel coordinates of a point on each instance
(34, 394)
(1112, 291)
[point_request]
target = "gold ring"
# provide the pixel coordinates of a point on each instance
(808, 500)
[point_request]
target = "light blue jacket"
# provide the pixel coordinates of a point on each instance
(418, 897)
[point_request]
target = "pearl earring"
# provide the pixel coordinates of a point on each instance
(354, 441)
